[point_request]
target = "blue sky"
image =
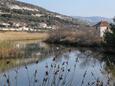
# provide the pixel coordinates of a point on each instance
(105, 8)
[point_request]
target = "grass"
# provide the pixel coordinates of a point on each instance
(22, 36)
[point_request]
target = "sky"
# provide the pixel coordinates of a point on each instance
(86, 8)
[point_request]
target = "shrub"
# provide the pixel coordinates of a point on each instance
(74, 37)
(110, 36)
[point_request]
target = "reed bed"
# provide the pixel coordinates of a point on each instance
(60, 74)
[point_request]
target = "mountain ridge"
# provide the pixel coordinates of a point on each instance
(94, 19)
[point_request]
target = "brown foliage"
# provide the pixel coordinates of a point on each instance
(76, 37)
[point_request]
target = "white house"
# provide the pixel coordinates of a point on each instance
(5, 24)
(102, 26)
(42, 25)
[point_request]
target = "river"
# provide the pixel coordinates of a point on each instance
(38, 64)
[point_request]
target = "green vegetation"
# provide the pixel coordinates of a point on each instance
(110, 36)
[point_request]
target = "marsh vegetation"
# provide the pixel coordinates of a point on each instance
(53, 65)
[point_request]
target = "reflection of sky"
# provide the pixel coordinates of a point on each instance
(83, 64)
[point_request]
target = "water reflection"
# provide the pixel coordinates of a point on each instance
(39, 64)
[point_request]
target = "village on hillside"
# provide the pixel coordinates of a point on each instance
(101, 27)
(13, 26)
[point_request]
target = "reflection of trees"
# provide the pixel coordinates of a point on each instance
(88, 57)
(64, 62)
(109, 59)
(30, 49)
(12, 57)
(110, 63)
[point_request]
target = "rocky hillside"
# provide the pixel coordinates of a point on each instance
(16, 14)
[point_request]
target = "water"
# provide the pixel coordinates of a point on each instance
(39, 64)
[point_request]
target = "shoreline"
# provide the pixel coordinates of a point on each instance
(43, 36)
(99, 47)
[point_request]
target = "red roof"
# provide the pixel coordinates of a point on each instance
(102, 24)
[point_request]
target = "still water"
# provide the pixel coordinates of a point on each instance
(39, 64)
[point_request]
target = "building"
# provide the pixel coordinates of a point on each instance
(4, 25)
(42, 25)
(102, 27)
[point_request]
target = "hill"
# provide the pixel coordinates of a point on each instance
(23, 16)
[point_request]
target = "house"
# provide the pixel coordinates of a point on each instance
(4, 25)
(42, 25)
(102, 27)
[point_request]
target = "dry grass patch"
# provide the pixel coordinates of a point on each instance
(22, 36)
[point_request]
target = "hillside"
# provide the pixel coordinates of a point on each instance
(16, 14)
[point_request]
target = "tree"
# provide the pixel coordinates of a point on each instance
(110, 36)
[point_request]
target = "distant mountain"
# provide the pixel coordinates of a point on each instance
(93, 19)
(17, 14)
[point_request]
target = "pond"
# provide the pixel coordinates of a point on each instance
(39, 64)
